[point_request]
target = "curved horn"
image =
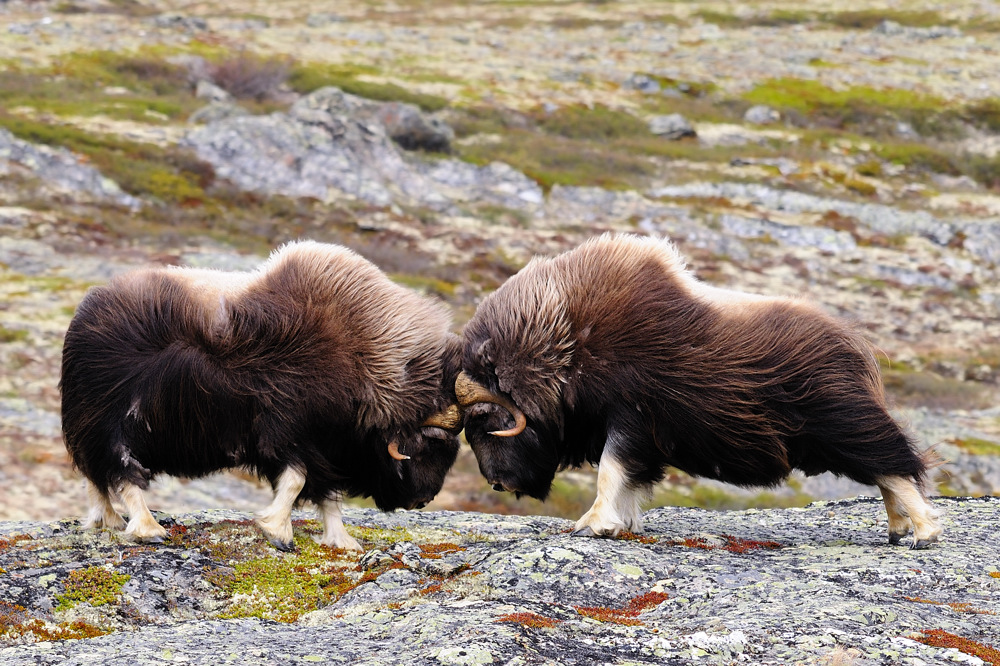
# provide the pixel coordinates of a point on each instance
(470, 392)
(394, 451)
(449, 418)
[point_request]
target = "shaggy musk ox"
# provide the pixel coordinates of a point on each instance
(614, 354)
(315, 372)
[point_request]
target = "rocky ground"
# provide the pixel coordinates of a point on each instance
(842, 155)
(816, 585)
(470, 138)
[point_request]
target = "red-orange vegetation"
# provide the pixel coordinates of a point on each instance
(733, 544)
(16, 621)
(10, 542)
(940, 638)
(433, 551)
(631, 536)
(626, 615)
(533, 620)
(957, 606)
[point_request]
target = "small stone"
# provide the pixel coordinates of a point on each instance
(207, 90)
(672, 126)
(761, 114)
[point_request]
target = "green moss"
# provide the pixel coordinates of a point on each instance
(148, 87)
(866, 19)
(977, 446)
(926, 389)
(918, 156)
(12, 334)
(173, 175)
(305, 78)
(598, 123)
(94, 585)
(284, 586)
(557, 160)
(871, 111)
(426, 283)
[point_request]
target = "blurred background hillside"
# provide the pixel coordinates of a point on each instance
(809, 149)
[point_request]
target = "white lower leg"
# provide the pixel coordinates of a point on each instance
(101, 513)
(141, 524)
(276, 519)
(899, 523)
(616, 508)
(908, 501)
(334, 534)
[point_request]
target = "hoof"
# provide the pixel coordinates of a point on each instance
(283, 546)
(585, 531)
(894, 539)
(155, 539)
(921, 544)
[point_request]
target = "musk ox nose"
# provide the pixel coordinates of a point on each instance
(498, 487)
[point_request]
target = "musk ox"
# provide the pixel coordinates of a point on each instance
(314, 371)
(613, 353)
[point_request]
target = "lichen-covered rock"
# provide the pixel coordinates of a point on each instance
(332, 145)
(60, 170)
(757, 587)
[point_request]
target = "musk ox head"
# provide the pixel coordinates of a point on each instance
(518, 348)
(413, 466)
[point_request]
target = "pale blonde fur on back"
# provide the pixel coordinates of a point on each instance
(372, 312)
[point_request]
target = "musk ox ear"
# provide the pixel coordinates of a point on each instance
(485, 352)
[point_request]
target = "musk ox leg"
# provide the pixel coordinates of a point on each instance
(102, 513)
(904, 503)
(141, 524)
(616, 508)
(334, 534)
(276, 519)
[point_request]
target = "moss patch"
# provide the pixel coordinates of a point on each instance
(282, 587)
(977, 446)
(305, 78)
(172, 175)
(94, 585)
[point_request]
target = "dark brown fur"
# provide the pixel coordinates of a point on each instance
(316, 362)
(616, 346)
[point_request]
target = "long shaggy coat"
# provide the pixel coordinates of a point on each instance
(313, 363)
(617, 355)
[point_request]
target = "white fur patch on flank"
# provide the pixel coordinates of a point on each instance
(616, 508)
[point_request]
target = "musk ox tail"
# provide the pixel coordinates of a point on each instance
(131, 358)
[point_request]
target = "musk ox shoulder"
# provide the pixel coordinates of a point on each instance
(613, 353)
(314, 371)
